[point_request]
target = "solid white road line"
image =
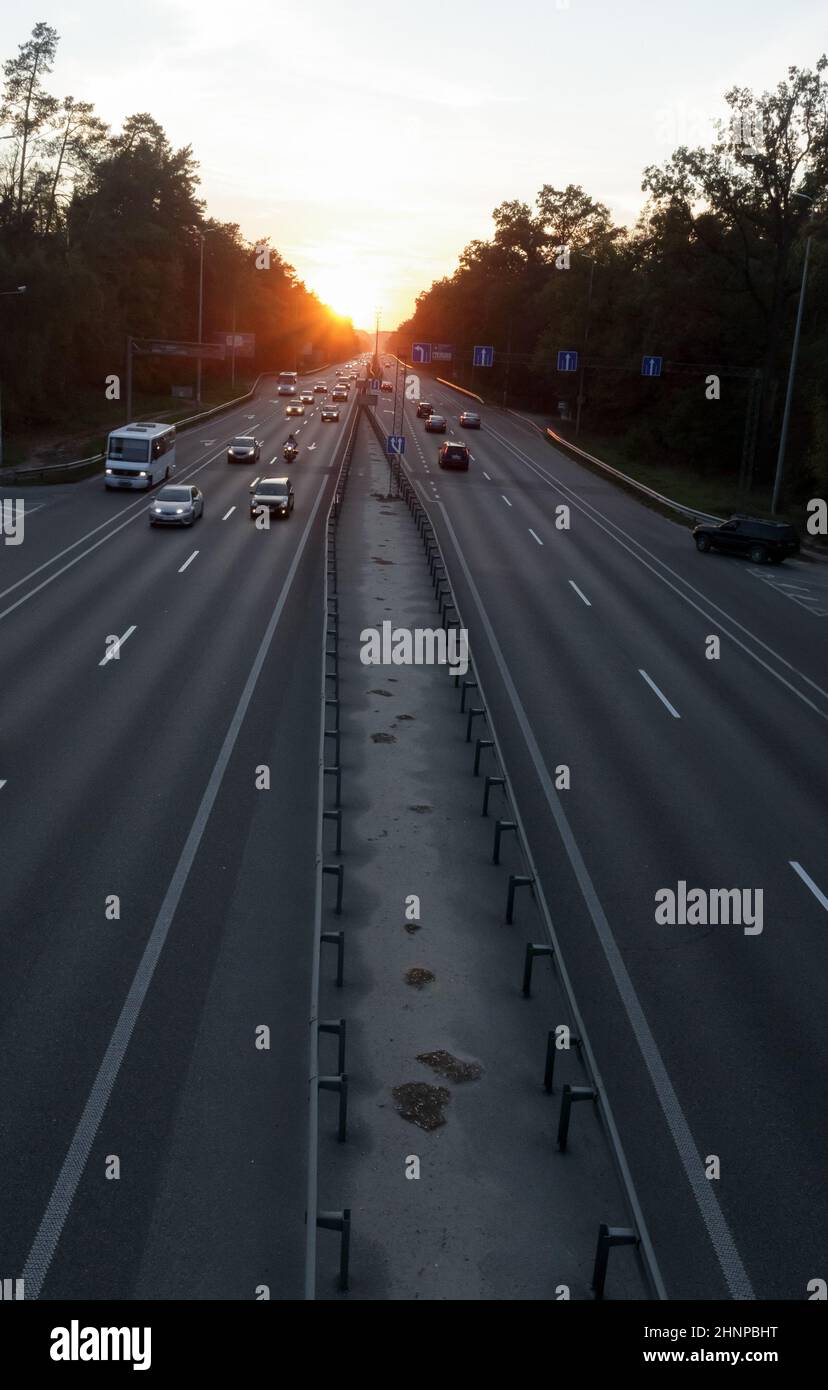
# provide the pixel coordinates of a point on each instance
(809, 883)
(506, 500)
(730, 1261)
(182, 568)
(537, 537)
(115, 650)
(661, 696)
(230, 513)
(72, 1169)
(580, 594)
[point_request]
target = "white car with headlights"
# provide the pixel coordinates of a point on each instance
(176, 505)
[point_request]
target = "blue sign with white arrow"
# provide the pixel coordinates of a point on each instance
(483, 357)
(395, 444)
(567, 361)
(421, 354)
(651, 366)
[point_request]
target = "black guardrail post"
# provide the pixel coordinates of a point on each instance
(339, 870)
(500, 827)
(480, 744)
(337, 1026)
(570, 1095)
(528, 961)
(339, 1221)
(515, 881)
(337, 939)
(337, 817)
(490, 782)
(608, 1237)
(340, 1085)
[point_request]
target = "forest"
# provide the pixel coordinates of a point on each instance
(105, 229)
(708, 279)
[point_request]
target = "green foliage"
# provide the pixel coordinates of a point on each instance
(105, 230)
(709, 279)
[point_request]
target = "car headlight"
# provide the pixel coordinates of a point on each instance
(179, 511)
(143, 473)
(109, 470)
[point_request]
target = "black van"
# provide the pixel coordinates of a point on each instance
(747, 535)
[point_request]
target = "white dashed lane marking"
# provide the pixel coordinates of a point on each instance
(115, 649)
(661, 696)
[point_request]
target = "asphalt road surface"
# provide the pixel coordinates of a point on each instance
(129, 1030)
(593, 646)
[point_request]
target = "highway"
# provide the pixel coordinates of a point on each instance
(158, 903)
(593, 646)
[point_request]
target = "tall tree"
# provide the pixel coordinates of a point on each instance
(26, 105)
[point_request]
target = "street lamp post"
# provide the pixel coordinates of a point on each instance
(783, 438)
(581, 382)
(21, 289)
(200, 313)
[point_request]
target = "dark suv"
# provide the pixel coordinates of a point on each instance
(454, 456)
(424, 409)
(748, 535)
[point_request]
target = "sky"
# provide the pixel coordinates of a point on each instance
(371, 141)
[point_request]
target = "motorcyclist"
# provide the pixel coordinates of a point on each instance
(291, 442)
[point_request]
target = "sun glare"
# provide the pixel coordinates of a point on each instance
(346, 294)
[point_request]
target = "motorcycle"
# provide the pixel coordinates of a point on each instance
(290, 452)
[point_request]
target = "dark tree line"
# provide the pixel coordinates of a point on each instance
(104, 229)
(709, 279)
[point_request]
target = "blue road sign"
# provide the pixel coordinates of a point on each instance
(651, 366)
(376, 383)
(395, 444)
(421, 354)
(483, 357)
(567, 361)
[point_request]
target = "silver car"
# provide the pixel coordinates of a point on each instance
(176, 505)
(245, 448)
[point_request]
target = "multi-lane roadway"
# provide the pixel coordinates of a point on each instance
(689, 761)
(157, 896)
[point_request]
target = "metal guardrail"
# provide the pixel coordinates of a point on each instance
(316, 1220)
(461, 389)
(11, 475)
(623, 477)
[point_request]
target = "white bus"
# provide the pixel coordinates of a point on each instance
(140, 455)
(287, 383)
